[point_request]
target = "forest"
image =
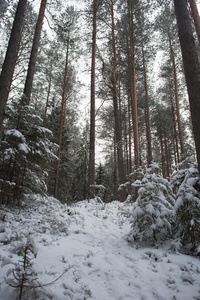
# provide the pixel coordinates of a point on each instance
(100, 99)
(99, 149)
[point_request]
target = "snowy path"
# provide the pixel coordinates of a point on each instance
(114, 270)
(103, 265)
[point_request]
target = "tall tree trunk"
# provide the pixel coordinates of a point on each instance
(34, 52)
(174, 125)
(191, 68)
(166, 154)
(129, 139)
(118, 133)
(180, 131)
(126, 146)
(61, 124)
(196, 17)
(129, 105)
(162, 150)
(49, 90)
(133, 88)
(91, 175)
(147, 115)
(11, 56)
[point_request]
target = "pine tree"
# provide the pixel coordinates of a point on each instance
(153, 210)
(26, 154)
(186, 184)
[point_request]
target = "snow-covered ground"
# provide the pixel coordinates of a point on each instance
(82, 251)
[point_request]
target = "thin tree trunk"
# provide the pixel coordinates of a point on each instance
(33, 58)
(61, 125)
(130, 140)
(147, 115)
(196, 17)
(191, 68)
(133, 88)
(11, 56)
(118, 133)
(166, 154)
(162, 151)
(180, 131)
(115, 169)
(174, 125)
(126, 147)
(48, 92)
(91, 175)
(129, 107)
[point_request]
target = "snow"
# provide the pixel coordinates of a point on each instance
(14, 132)
(82, 250)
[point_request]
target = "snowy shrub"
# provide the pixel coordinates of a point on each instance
(152, 214)
(23, 277)
(178, 176)
(129, 187)
(187, 207)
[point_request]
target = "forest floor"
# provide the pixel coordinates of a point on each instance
(82, 253)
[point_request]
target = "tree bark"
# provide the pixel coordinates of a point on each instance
(61, 124)
(11, 56)
(49, 90)
(129, 135)
(33, 58)
(174, 125)
(191, 68)
(180, 131)
(147, 115)
(118, 133)
(133, 88)
(162, 150)
(91, 175)
(196, 17)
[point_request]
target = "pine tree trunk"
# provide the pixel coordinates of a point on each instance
(61, 124)
(91, 175)
(166, 154)
(129, 139)
(129, 106)
(162, 150)
(196, 17)
(118, 133)
(49, 90)
(174, 125)
(176, 99)
(33, 58)
(11, 56)
(147, 115)
(133, 88)
(191, 68)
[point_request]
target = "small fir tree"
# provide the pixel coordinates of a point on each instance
(26, 152)
(152, 215)
(187, 206)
